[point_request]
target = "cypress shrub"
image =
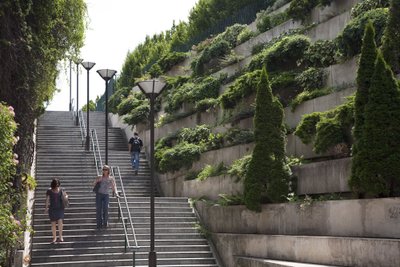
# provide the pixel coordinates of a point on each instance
(380, 144)
(364, 76)
(266, 178)
(391, 37)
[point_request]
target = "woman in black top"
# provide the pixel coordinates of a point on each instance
(55, 208)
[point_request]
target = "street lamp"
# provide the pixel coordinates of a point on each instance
(77, 62)
(106, 74)
(152, 88)
(87, 66)
(70, 85)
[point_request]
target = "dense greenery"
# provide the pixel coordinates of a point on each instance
(364, 78)
(300, 9)
(11, 229)
(329, 128)
(266, 178)
(34, 37)
(367, 5)
(391, 39)
(350, 40)
(380, 172)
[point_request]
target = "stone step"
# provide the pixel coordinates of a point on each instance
(259, 262)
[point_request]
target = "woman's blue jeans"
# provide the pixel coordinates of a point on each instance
(102, 201)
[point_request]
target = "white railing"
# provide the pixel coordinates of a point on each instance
(82, 126)
(96, 151)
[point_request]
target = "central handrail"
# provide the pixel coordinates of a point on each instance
(82, 126)
(96, 151)
(117, 173)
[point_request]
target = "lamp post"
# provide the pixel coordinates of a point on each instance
(152, 88)
(77, 62)
(70, 85)
(87, 65)
(106, 74)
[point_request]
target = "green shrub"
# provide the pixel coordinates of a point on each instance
(138, 115)
(266, 178)
(206, 104)
(245, 35)
(243, 86)
(300, 9)
(131, 102)
(266, 22)
(230, 35)
(191, 92)
(171, 59)
(180, 156)
(328, 128)
(285, 86)
(214, 51)
(311, 79)
(283, 55)
(380, 145)
(367, 5)
(308, 95)
(210, 171)
(229, 200)
(366, 68)
(323, 53)
(197, 135)
(350, 40)
(235, 136)
(239, 168)
(391, 38)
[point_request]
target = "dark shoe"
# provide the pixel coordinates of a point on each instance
(136, 172)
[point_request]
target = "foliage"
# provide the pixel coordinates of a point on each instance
(391, 37)
(210, 171)
(239, 168)
(214, 51)
(300, 9)
(92, 106)
(266, 178)
(229, 200)
(236, 136)
(244, 86)
(130, 103)
(311, 79)
(138, 115)
(367, 5)
(35, 36)
(308, 95)
(350, 40)
(206, 104)
(364, 75)
(10, 230)
(180, 156)
(380, 147)
(115, 99)
(283, 55)
(245, 35)
(266, 21)
(191, 92)
(170, 59)
(321, 54)
(328, 128)
(285, 86)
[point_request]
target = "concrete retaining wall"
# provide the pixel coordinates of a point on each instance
(373, 218)
(338, 251)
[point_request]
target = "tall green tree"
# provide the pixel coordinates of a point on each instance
(267, 179)
(391, 37)
(365, 72)
(380, 147)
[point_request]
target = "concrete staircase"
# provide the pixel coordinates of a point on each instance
(60, 154)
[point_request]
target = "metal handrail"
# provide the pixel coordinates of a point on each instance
(134, 246)
(96, 151)
(82, 126)
(72, 109)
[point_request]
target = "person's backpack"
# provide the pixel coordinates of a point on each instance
(136, 144)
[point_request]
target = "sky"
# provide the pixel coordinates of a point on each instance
(115, 28)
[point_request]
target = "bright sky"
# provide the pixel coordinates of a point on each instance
(115, 27)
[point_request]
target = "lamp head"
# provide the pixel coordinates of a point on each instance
(88, 65)
(106, 74)
(152, 87)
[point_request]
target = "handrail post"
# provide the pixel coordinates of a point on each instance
(133, 258)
